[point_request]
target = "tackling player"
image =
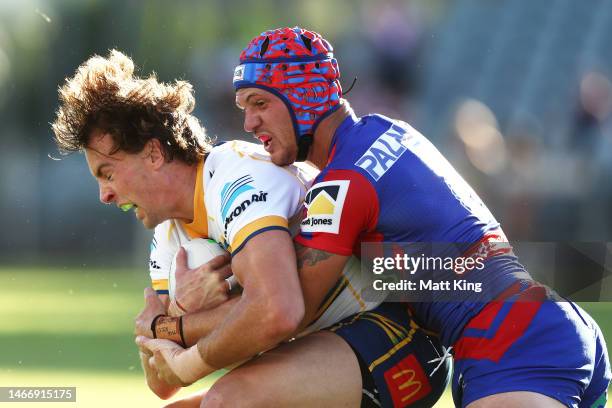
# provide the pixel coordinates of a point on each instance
(149, 153)
(389, 183)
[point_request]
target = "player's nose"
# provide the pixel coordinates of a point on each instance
(251, 122)
(107, 196)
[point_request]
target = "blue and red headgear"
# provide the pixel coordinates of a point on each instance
(299, 67)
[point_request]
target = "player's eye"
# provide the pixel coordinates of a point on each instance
(109, 177)
(260, 103)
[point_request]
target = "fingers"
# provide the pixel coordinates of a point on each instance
(150, 346)
(164, 373)
(219, 265)
(153, 300)
(149, 293)
(142, 343)
(175, 310)
(142, 349)
(219, 261)
(215, 263)
(153, 345)
(156, 359)
(181, 261)
(225, 272)
(152, 364)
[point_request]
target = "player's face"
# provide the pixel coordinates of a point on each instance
(124, 179)
(267, 117)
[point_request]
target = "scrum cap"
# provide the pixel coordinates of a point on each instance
(298, 66)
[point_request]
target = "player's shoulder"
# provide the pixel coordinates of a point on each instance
(236, 157)
(368, 126)
(369, 145)
(237, 149)
(356, 135)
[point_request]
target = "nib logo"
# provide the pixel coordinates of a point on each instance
(237, 196)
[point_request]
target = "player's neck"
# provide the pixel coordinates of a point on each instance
(181, 187)
(319, 151)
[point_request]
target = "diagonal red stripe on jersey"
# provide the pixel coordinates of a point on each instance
(514, 325)
(485, 318)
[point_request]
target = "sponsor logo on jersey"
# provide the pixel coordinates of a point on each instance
(231, 191)
(383, 153)
(407, 382)
(324, 203)
(231, 205)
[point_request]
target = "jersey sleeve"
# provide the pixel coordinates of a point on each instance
(340, 208)
(163, 249)
(262, 199)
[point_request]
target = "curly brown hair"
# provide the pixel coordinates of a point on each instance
(105, 95)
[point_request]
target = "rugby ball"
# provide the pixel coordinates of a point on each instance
(199, 251)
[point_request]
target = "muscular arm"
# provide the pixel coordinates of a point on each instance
(282, 293)
(201, 324)
(319, 271)
(271, 306)
(270, 309)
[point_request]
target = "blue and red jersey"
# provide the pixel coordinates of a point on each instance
(385, 182)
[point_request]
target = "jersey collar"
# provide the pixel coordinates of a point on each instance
(344, 126)
(199, 226)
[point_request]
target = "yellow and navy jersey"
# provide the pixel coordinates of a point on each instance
(240, 193)
(246, 194)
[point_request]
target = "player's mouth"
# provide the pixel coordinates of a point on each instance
(265, 139)
(127, 207)
(130, 206)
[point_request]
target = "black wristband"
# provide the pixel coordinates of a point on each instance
(181, 331)
(153, 324)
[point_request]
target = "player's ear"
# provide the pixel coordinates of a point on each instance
(155, 153)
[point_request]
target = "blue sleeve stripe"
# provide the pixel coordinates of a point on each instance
(272, 227)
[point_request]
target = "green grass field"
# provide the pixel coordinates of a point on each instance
(71, 328)
(74, 328)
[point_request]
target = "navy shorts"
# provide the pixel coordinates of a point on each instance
(528, 341)
(394, 354)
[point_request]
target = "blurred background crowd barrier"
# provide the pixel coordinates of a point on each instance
(516, 93)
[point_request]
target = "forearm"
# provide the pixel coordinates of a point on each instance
(318, 272)
(250, 328)
(270, 307)
(201, 324)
